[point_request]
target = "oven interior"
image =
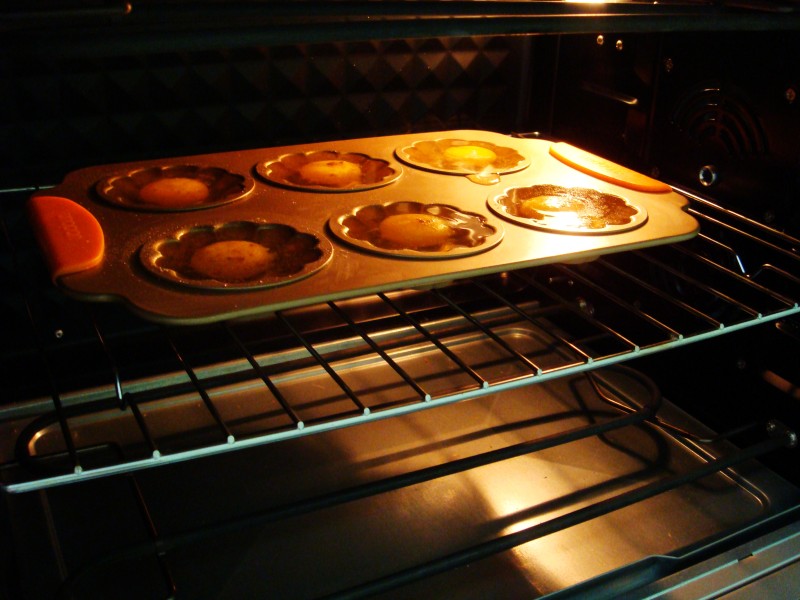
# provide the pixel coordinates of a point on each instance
(617, 427)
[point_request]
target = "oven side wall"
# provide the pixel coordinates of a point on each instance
(714, 113)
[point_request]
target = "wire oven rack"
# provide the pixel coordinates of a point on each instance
(164, 546)
(72, 365)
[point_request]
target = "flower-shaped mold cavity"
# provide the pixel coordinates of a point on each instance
(329, 171)
(239, 255)
(568, 210)
(416, 230)
(172, 188)
(462, 157)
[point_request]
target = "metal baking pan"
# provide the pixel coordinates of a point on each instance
(348, 271)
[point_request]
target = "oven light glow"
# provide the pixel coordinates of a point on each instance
(34, 442)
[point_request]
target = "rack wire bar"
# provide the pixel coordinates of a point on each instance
(670, 299)
(749, 236)
(264, 377)
(323, 363)
(767, 268)
(434, 340)
(148, 438)
(121, 396)
(152, 531)
(380, 352)
(488, 332)
(531, 319)
(577, 311)
(112, 364)
(201, 390)
(747, 281)
(616, 299)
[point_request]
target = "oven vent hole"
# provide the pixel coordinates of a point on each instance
(720, 122)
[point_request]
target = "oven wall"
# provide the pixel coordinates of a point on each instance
(62, 111)
(716, 113)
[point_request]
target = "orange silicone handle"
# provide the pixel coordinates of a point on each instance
(68, 234)
(606, 170)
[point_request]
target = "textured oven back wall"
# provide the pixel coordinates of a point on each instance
(59, 113)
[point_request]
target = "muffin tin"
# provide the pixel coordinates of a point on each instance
(460, 233)
(195, 187)
(338, 172)
(286, 255)
(482, 161)
(574, 210)
(132, 268)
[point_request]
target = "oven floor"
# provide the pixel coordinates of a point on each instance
(230, 527)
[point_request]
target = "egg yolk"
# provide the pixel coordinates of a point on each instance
(232, 260)
(332, 173)
(416, 230)
(174, 191)
(474, 154)
(530, 208)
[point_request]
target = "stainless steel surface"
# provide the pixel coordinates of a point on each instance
(351, 272)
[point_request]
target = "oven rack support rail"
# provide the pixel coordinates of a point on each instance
(735, 275)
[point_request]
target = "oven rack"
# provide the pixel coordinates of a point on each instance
(627, 412)
(736, 274)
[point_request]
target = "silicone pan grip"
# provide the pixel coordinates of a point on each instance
(606, 170)
(68, 234)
